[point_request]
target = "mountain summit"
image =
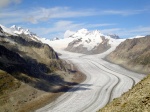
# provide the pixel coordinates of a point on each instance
(90, 42)
(24, 33)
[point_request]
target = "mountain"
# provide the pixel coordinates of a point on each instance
(7, 31)
(29, 70)
(90, 42)
(24, 33)
(133, 54)
(84, 41)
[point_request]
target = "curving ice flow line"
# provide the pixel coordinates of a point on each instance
(104, 82)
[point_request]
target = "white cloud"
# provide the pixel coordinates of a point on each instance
(137, 31)
(4, 3)
(98, 25)
(61, 26)
(112, 30)
(128, 32)
(58, 29)
(44, 14)
(123, 12)
(34, 16)
(38, 15)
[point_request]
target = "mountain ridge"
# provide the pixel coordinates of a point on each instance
(30, 65)
(133, 54)
(90, 42)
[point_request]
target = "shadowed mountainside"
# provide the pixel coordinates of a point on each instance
(30, 73)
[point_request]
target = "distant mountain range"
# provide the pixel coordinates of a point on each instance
(91, 42)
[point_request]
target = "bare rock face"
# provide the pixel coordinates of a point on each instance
(133, 54)
(1, 31)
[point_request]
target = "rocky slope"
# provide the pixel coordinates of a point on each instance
(26, 64)
(135, 100)
(133, 54)
(90, 42)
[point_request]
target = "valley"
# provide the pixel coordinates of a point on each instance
(104, 82)
(75, 56)
(76, 74)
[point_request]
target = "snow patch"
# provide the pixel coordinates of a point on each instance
(7, 30)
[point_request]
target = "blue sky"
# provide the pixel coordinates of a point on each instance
(51, 18)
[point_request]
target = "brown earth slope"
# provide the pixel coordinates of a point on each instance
(133, 54)
(135, 100)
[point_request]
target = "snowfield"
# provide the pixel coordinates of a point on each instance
(104, 82)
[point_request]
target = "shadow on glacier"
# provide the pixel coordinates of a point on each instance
(73, 87)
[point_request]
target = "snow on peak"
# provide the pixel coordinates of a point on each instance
(83, 37)
(20, 30)
(138, 36)
(68, 34)
(90, 39)
(83, 31)
(13, 27)
(7, 30)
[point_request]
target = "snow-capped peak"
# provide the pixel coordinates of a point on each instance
(68, 34)
(14, 27)
(7, 30)
(20, 30)
(90, 39)
(83, 31)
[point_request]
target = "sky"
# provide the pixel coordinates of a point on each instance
(51, 18)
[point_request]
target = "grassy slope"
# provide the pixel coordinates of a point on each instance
(8, 83)
(135, 100)
(14, 94)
